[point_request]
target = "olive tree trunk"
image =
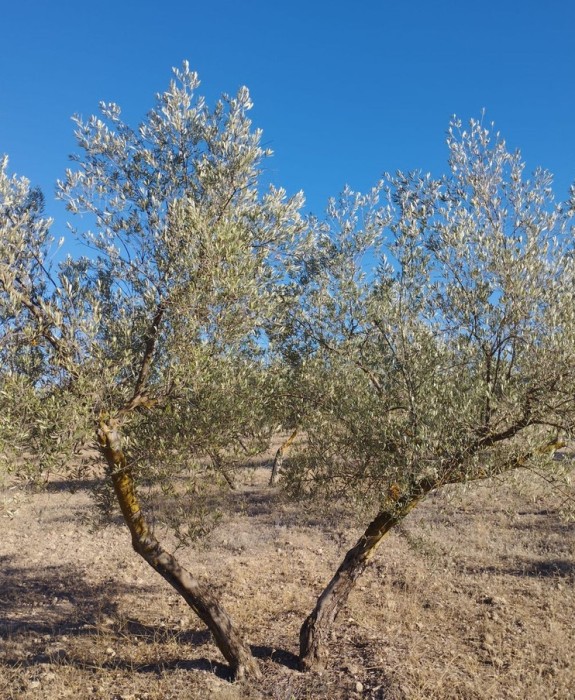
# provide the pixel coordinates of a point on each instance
(317, 626)
(220, 468)
(279, 458)
(199, 598)
(315, 630)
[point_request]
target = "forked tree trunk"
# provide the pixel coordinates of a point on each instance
(315, 630)
(279, 458)
(196, 594)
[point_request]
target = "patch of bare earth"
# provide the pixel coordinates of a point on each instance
(471, 598)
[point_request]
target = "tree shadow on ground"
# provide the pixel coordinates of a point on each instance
(269, 507)
(47, 611)
(55, 599)
(278, 656)
(70, 485)
(62, 658)
(56, 602)
(544, 521)
(529, 568)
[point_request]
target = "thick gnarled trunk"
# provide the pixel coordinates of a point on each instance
(315, 630)
(196, 594)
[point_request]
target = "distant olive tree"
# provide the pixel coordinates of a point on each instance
(153, 342)
(44, 336)
(439, 321)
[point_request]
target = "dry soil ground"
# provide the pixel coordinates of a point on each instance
(472, 598)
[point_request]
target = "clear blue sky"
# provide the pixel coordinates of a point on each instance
(343, 91)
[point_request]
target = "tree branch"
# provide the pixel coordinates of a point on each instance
(146, 366)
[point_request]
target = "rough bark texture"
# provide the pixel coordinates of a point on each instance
(315, 630)
(196, 594)
(279, 458)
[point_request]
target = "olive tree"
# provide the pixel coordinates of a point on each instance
(152, 343)
(23, 236)
(43, 335)
(439, 321)
(426, 329)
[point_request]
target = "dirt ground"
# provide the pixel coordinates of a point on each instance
(472, 598)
